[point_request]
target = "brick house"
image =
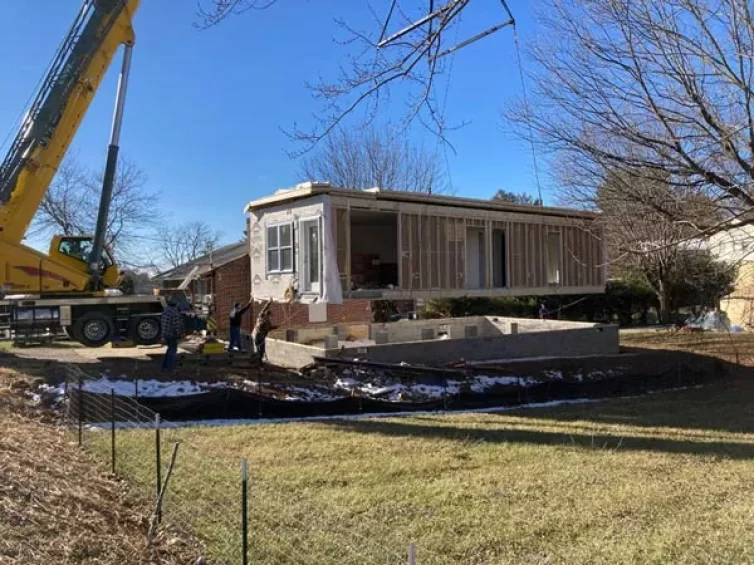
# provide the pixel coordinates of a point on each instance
(216, 280)
(224, 276)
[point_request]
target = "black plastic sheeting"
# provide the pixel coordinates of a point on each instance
(232, 403)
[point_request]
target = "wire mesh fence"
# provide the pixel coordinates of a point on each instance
(204, 497)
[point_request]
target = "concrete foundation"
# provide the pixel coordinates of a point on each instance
(437, 342)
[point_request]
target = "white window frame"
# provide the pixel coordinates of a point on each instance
(302, 222)
(279, 248)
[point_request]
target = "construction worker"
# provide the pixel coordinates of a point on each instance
(261, 329)
(236, 314)
(172, 330)
(543, 311)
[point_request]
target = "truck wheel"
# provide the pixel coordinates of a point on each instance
(93, 329)
(145, 331)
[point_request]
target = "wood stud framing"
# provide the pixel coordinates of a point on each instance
(432, 249)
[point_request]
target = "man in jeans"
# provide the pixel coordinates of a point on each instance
(236, 315)
(172, 330)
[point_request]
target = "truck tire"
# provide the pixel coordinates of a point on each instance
(145, 331)
(93, 329)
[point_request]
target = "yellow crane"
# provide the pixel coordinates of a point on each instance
(69, 286)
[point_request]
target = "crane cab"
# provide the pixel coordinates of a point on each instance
(73, 251)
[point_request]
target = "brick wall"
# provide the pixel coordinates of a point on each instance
(287, 316)
(233, 284)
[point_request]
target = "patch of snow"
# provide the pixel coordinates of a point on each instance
(346, 382)
(147, 388)
(483, 383)
(303, 394)
(396, 392)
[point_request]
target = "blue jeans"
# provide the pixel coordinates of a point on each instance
(169, 361)
(235, 338)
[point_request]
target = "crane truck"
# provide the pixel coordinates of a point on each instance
(73, 286)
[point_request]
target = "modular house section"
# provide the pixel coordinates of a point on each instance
(318, 243)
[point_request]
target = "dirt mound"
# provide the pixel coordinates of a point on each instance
(56, 505)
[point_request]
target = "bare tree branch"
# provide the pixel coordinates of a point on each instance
(211, 12)
(186, 242)
(658, 89)
(404, 48)
(71, 204)
(375, 157)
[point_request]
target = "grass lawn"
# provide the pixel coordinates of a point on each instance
(728, 346)
(668, 478)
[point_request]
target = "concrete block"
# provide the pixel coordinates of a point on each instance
(318, 312)
(470, 332)
(381, 338)
(331, 342)
(456, 331)
(514, 328)
(291, 335)
(427, 334)
(341, 332)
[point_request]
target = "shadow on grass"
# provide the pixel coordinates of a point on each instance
(506, 432)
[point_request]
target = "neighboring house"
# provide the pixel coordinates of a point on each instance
(216, 280)
(324, 245)
(736, 247)
(223, 277)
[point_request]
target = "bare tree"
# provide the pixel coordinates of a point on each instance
(71, 204)
(185, 242)
(406, 44)
(662, 89)
(375, 157)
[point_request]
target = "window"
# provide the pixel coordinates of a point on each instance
(553, 258)
(280, 248)
(80, 248)
(77, 248)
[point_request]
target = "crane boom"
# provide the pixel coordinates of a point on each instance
(58, 109)
(67, 288)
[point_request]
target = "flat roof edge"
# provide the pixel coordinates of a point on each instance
(415, 197)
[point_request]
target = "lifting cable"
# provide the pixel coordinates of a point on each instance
(528, 111)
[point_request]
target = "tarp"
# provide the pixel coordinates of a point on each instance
(230, 403)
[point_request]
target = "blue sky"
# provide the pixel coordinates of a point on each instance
(206, 109)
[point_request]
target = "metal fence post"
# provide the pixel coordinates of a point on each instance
(412, 553)
(244, 513)
(112, 426)
(158, 462)
(81, 411)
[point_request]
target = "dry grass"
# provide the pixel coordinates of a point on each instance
(660, 479)
(728, 346)
(56, 505)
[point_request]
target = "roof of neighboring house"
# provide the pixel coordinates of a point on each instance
(206, 263)
(308, 189)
